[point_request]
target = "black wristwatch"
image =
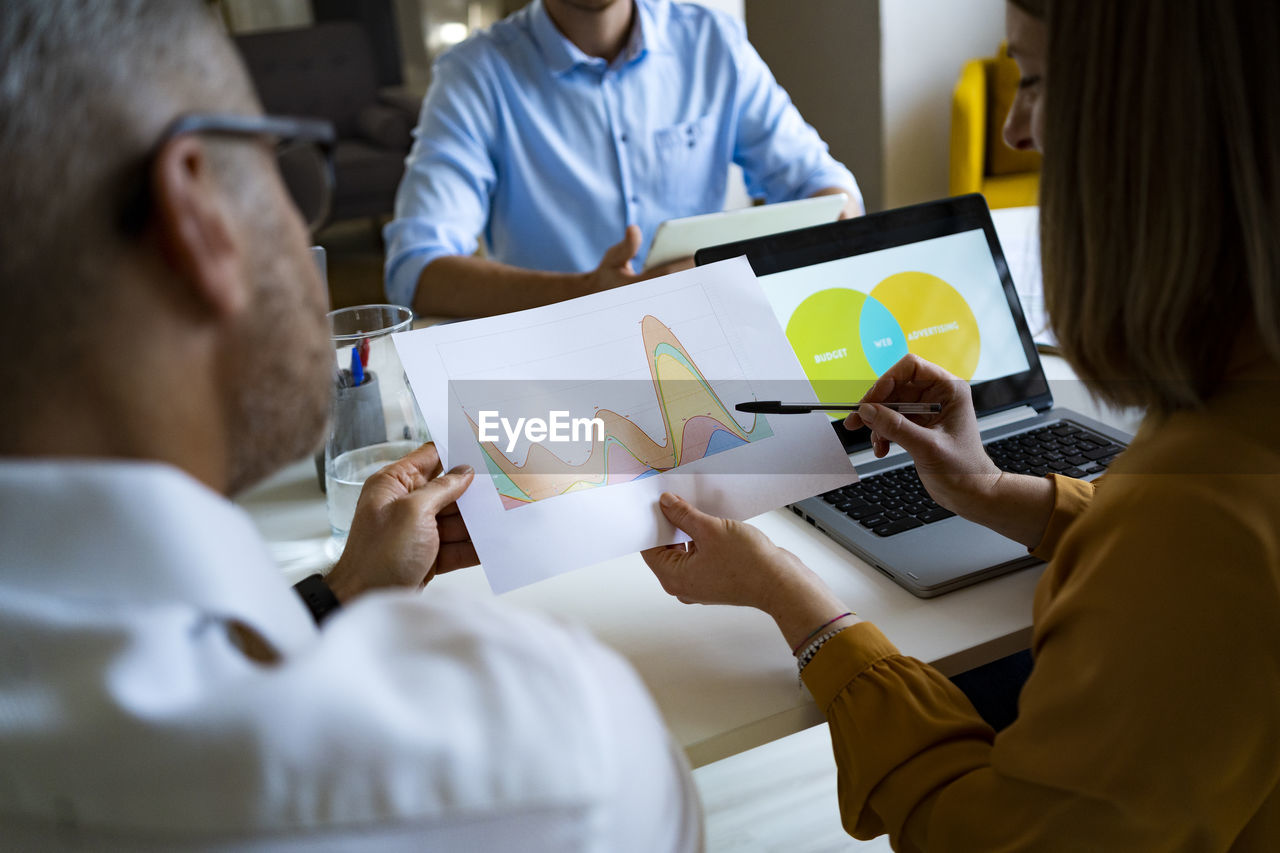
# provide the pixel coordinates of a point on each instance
(320, 600)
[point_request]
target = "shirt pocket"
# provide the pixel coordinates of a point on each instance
(685, 158)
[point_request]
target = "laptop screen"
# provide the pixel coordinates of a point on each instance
(856, 296)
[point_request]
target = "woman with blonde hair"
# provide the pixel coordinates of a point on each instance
(1151, 719)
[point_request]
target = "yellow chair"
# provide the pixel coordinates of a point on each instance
(981, 162)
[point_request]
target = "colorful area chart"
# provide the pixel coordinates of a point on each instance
(845, 338)
(696, 422)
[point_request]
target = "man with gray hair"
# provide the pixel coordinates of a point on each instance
(161, 686)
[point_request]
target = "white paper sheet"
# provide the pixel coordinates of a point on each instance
(1019, 231)
(709, 327)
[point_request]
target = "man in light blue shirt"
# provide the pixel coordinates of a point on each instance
(573, 123)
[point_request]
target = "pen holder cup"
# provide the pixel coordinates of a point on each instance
(358, 420)
(374, 419)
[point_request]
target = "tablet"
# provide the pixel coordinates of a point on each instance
(680, 238)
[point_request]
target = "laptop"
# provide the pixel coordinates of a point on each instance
(854, 297)
(680, 238)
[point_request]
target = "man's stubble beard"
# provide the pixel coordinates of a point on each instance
(283, 365)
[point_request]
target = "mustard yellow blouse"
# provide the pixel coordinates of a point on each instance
(1151, 720)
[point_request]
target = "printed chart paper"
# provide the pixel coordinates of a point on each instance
(577, 416)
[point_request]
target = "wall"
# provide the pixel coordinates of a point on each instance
(924, 43)
(826, 54)
(418, 22)
(245, 16)
(875, 78)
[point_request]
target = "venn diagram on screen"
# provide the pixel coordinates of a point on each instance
(845, 338)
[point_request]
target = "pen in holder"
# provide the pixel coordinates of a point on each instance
(357, 413)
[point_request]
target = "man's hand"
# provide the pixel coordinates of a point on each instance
(615, 268)
(406, 529)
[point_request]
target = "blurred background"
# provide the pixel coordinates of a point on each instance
(878, 79)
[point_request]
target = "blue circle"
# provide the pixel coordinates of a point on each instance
(883, 341)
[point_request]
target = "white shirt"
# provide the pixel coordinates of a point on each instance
(130, 719)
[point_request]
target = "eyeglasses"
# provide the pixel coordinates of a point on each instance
(304, 154)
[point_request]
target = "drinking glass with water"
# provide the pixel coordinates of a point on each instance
(375, 419)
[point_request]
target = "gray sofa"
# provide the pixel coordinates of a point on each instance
(327, 71)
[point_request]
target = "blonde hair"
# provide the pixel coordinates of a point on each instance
(1160, 193)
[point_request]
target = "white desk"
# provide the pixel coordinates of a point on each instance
(723, 677)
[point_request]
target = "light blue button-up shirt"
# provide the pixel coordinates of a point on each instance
(550, 153)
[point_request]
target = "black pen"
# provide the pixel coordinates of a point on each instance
(777, 407)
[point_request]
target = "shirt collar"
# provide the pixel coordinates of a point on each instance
(138, 533)
(562, 55)
(649, 33)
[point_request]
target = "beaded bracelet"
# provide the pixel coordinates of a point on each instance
(817, 630)
(802, 660)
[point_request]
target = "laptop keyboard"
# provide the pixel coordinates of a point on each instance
(895, 501)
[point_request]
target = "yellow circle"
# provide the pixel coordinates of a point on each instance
(823, 331)
(938, 324)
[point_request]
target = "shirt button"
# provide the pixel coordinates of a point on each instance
(622, 138)
(635, 199)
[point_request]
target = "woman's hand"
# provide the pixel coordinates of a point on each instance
(406, 528)
(946, 447)
(948, 453)
(729, 562)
